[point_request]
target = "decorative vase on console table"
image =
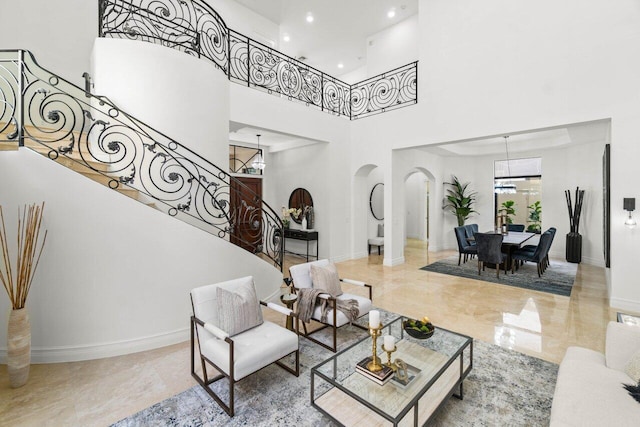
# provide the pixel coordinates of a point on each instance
(574, 239)
(304, 222)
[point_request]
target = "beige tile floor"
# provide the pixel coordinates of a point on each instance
(99, 392)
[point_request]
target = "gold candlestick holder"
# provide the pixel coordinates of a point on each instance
(390, 364)
(375, 365)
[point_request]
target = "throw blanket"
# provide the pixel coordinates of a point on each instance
(307, 302)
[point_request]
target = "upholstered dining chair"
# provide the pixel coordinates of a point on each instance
(540, 255)
(515, 227)
(233, 338)
(464, 248)
(301, 276)
(489, 247)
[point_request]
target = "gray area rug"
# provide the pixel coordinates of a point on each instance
(557, 279)
(504, 388)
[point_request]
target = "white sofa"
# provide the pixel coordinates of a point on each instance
(589, 389)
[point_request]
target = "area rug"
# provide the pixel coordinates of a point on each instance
(504, 388)
(557, 279)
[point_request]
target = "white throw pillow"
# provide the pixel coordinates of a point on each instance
(237, 308)
(326, 279)
(633, 367)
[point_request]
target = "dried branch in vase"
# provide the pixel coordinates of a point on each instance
(30, 248)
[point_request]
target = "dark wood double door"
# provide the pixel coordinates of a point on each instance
(246, 213)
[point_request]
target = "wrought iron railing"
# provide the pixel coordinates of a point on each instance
(193, 27)
(42, 111)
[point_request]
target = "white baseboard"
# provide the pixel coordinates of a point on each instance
(340, 258)
(624, 304)
(99, 351)
(359, 255)
(392, 262)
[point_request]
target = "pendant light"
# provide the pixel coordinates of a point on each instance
(258, 161)
(506, 187)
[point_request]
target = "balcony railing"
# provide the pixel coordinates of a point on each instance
(193, 27)
(90, 134)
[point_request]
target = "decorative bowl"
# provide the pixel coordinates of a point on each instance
(415, 329)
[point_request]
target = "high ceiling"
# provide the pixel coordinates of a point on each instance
(338, 32)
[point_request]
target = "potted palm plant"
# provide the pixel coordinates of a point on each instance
(535, 217)
(507, 209)
(460, 200)
(29, 250)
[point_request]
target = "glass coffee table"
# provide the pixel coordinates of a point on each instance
(439, 366)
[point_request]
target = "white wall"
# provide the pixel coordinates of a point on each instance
(246, 21)
(415, 195)
(195, 115)
(393, 47)
(60, 34)
(115, 274)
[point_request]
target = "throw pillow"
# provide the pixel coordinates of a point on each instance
(633, 367)
(237, 307)
(634, 391)
(326, 279)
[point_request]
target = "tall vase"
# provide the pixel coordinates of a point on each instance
(574, 247)
(304, 222)
(18, 347)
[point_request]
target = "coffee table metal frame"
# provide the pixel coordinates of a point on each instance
(413, 403)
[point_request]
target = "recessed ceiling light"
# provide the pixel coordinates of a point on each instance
(391, 13)
(286, 37)
(309, 17)
(341, 65)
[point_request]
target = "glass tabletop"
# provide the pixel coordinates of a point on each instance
(429, 359)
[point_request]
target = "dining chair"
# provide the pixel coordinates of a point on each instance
(489, 247)
(515, 227)
(464, 248)
(539, 256)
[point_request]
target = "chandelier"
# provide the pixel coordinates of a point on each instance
(505, 186)
(258, 161)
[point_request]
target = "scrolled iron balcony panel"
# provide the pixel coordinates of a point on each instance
(195, 28)
(388, 91)
(187, 26)
(58, 120)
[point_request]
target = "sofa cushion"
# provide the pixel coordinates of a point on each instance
(253, 349)
(326, 279)
(621, 343)
(301, 274)
(237, 307)
(633, 367)
(589, 393)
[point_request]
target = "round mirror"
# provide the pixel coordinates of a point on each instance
(298, 199)
(376, 201)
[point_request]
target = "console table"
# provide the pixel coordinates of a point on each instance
(304, 235)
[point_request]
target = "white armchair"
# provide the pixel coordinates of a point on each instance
(301, 277)
(234, 352)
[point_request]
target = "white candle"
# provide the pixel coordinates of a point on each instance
(389, 342)
(374, 319)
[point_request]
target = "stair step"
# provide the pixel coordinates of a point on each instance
(72, 161)
(8, 146)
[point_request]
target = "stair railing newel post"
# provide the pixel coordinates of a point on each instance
(20, 98)
(574, 238)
